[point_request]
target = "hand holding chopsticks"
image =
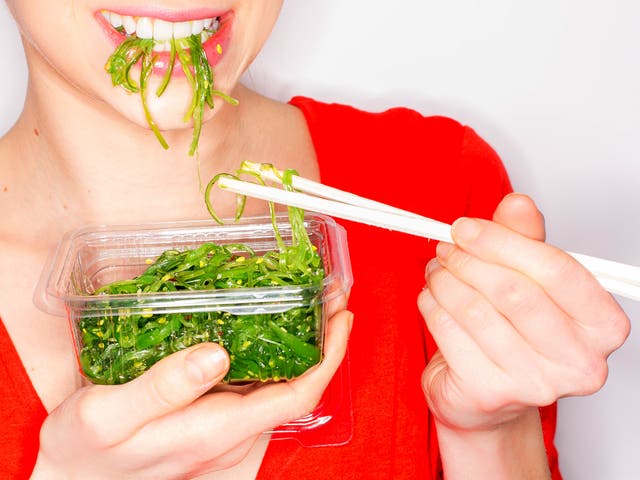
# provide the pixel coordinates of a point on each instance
(618, 278)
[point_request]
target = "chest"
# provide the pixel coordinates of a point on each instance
(42, 342)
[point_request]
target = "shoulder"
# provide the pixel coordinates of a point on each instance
(393, 128)
(427, 163)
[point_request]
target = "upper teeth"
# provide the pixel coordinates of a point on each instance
(160, 30)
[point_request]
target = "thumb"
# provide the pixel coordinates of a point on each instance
(169, 385)
(518, 212)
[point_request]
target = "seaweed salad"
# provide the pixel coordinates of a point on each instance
(124, 339)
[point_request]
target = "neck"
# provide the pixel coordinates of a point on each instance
(70, 168)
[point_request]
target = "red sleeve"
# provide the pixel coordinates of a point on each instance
(485, 174)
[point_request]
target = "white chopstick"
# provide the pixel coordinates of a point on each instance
(413, 224)
(320, 190)
(615, 277)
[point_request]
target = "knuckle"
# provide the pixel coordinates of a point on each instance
(592, 374)
(458, 260)
(86, 410)
(438, 320)
(475, 310)
(545, 397)
(517, 295)
(163, 393)
(619, 331)
(557, 266)
(88, 419)
(543, 392)
(596, 374)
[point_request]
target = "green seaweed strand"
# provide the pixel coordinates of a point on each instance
(241, 199)
(169, 72)
(122, 338)
(195, 65)
(148, 59)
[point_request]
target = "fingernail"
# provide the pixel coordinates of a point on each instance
(432, 265)
(466, 229)
(206, 363)
(443, 249)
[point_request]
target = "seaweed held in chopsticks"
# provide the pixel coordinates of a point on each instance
(195, 66)
(125, 338)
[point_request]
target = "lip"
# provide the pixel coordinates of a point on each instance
(215, 47)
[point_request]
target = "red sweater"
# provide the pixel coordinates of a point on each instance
(430, 165)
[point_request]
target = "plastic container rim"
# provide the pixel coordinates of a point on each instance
(49, 297)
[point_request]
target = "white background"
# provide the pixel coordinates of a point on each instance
(553, 85)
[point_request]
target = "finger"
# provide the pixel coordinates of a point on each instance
(520, 300)
(462, 373)
(117, 412)
(283, 402)
(462, 354)
(569, 284)
(240, 417)
(494, 335)
(335, 302)
(518, 212)
(483, 375)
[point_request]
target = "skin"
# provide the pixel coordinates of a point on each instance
(491, 301)
(63, 165)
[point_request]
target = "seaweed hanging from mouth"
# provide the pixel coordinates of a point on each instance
(195, 65)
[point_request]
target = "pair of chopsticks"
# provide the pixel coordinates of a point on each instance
(615, 277)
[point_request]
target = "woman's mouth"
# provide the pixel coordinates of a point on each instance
(213, 30)
(194, 41)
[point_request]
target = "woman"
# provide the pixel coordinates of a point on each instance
(517, 323)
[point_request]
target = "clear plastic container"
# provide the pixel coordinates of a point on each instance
(118, 337)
